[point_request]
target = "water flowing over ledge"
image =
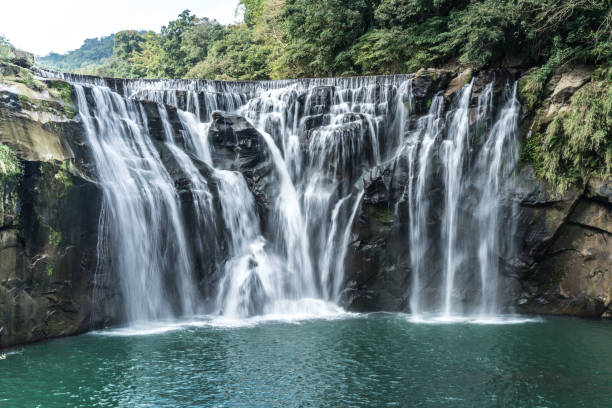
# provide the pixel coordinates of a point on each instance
(244, 203)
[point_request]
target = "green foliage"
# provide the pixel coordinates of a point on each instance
(63, 177)
(10, 166)
(93, 53)
(236, 56)
(577, 144)
(148, 62)
(477, 34)
(61, 89)
(171, 39)
(253, 9)
(199, 38)
(311, 38)
(31, 82)
(530, 89)
(126, 43)
(55, 238)
(321, 32)
(6, 49)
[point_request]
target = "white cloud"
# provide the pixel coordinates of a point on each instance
(42, 26)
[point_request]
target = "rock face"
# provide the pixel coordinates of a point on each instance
(236, 145)
(378, 261)
(566, 250)
(48, 216)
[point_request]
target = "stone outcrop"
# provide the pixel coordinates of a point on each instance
(236, 145)
(49, 214)
(566, 253)
(378, 260)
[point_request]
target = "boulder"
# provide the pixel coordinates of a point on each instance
(22, 58)
(569, 82)
(457, 83)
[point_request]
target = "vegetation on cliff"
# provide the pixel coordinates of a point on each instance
(297, 38)
(577, 143)
(313, 38)
(6, 51)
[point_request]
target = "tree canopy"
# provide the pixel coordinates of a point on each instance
(311, 38)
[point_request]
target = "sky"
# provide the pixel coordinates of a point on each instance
(42, 26)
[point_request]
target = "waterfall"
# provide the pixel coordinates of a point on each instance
(427, 134)
(459, 256)
(494, 165)
(177, 219)
(141, 206)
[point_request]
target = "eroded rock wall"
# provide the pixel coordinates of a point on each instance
(48, 216)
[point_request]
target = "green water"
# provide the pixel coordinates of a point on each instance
(381, 360)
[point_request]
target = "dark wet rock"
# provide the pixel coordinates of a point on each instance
(253, 295)
(316, 101)
(22, 58)
(49, 258)
(49, 222)
(377, 263)
(236, 145)
(425, 84)
(155, 123)
(565, 253)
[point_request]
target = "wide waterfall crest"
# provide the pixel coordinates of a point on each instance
(320, 136)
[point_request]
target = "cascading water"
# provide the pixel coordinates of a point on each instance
(494, 165)
(141, 207)
(320, 136)
(477, 161)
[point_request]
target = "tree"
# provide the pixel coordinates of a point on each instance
(148, 62)
(252, 10)
(320, 33)
(236, 56)
(197, 39)
(126, 43)
(171, 40)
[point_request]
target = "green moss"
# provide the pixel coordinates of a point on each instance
(42, 105)
(63, 176)
(6, 51)
(63, 91)
(530, 88)
(55, 237)
(10, 166)
(25, 77)
(382, 215)
(469, 77)
(49, 270)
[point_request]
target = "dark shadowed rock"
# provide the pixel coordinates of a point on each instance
(237, 145)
